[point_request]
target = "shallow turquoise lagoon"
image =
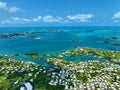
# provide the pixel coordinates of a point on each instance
(55, 42)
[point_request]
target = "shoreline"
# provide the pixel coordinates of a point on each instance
(73, 74)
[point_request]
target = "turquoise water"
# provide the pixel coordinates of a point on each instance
(55, 42)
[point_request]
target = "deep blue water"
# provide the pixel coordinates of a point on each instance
(55, 42)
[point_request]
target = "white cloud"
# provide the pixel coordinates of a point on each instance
(80, 17)
(17, 19)
(51, 19)
(116, 15)
(14, 9)
(37, 19)
(3, 5)
(45, 19)
(6, 21)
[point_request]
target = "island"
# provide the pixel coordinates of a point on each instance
(65, 75)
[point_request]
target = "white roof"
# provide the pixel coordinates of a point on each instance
(28, 86)
(22, 88)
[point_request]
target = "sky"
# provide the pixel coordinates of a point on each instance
(59, 12)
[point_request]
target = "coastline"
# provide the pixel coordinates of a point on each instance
(73, 74)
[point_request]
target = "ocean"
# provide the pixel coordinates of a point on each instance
(58, 39)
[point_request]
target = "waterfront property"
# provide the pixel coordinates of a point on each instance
(65, 75)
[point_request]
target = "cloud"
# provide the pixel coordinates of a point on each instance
(37, 19)
(116, 15)
(6, 21)
(14, 9)
(4, 6)
(48, 19)
(14, 20)
(51, 19)
(20, 19)
(44, 19)
(80, 17)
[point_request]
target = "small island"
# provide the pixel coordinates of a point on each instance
(32, 55)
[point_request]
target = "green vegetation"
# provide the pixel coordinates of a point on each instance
(111, 56)
(65, 75)
(82, 77)
(13, 73)
(32, 55)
